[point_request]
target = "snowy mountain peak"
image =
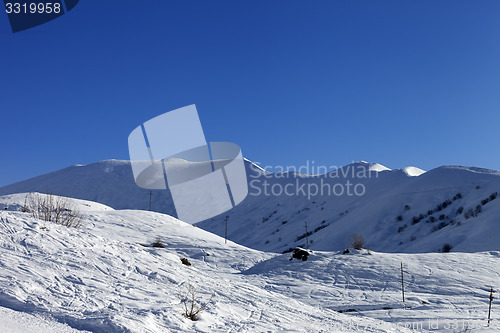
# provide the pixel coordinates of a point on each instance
(376, 167)
(413, 171)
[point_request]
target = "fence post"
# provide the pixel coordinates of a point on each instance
(307, 237)
(225, 233)
(402, 283)
(150, 200)
(489, 310)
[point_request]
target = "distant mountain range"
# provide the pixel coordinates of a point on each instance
(401, 210)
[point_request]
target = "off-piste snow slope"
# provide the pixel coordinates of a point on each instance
(401, 210)
(405, 210)
(105, 277)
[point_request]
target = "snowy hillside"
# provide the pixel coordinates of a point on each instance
(401, 210)
(105, 277)
(109, 182)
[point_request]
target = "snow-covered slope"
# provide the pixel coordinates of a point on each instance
(102, 278)
(109, 182)
(413, 171)
(400, 210)
(444, 292)
(22, 322)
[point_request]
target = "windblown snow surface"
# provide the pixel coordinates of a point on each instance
(104, 277)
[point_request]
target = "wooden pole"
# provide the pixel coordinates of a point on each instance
(489, 311)
(307, 238)
(150, 200)
(225, 234)
(402, 283)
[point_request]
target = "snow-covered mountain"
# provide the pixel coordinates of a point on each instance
(404, 210)
(106, 277)
(109, 182)
(401, 210)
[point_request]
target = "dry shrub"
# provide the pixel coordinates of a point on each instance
(358, 241)
(51, 208)
(192, 303)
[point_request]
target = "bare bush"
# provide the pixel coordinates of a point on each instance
(158, 243)
(192, 303)
(358, 241)
(446, 248)
(51, 208)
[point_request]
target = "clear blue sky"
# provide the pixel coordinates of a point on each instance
(395, 82)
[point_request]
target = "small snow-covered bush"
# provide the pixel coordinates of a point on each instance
(51, 208)
(358, 241)
(158, 243)
(191, 303)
